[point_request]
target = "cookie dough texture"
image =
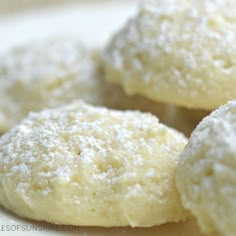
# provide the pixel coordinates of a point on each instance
(177, 51)
(52, 73)
(85, 165)
(206, 175)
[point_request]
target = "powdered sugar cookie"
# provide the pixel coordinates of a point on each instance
(206, 173)
(178, 52)
(85, 165)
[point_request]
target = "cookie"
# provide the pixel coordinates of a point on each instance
(45, 74)
(87, 165)
(52, 73)
(177, 52)
(206, 175)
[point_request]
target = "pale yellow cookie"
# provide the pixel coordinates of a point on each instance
(206, 176)
(177, 51)
(86, 165)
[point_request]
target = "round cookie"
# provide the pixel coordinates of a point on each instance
(177, 51)
(86, 165)
(206, 175)
(52, 73)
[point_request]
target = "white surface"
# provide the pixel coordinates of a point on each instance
(92, 23)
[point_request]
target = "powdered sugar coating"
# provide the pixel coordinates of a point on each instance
(85, 165)
(206, 173)
(179, 52)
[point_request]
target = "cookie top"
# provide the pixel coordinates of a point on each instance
(86, 165)
(178, 52)
(206, 173)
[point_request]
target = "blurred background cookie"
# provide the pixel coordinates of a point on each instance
(44, 74)
(52, 73)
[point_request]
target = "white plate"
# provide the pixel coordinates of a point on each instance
(93, 24)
